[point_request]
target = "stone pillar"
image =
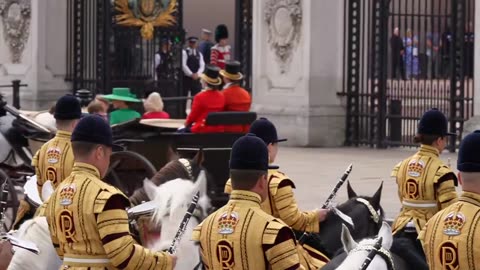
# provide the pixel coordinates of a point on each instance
(42, 62)
(297, 69)
(474, 123)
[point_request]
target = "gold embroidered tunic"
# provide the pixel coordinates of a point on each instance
(281, 203)
(425, 185)
(450, 238)
(89, 226)
(54, 162)
(242, 236)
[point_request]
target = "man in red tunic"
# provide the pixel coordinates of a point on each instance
(237, 99)
(221, 51)
(205, 102)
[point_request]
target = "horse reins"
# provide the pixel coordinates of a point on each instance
(374, 250)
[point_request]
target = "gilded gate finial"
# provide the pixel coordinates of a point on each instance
(146, 14)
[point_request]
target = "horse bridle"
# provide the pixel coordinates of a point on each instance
(373, 213)
(188, 167)
(374, 250)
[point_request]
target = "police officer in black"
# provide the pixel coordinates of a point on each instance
(164, 61)
(193, 65)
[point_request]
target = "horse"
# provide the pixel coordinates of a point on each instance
(354, 254)
(366, 214)
(36, 231)
(176, 168)
(172, 200)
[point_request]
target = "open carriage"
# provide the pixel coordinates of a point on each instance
(147, 146)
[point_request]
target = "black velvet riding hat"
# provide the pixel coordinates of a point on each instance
(249, 153)
(468, 154)
(434, 122)
(68, 108)
(93, 129)
(265, 130)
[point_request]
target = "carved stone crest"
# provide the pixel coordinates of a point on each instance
(16, 26)
(284, 21)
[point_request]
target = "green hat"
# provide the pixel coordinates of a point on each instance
(122, 94)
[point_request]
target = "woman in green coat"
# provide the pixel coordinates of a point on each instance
(120, 98)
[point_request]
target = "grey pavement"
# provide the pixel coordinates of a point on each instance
(315, 172)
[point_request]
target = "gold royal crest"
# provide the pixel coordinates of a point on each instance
(146, 14)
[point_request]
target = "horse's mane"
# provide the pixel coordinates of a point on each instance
(172, 170)
(172, 196)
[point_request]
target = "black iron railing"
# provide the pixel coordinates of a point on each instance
(16, 84)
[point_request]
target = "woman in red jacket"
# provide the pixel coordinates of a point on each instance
(205, 102)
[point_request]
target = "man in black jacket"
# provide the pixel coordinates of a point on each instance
(397, 51)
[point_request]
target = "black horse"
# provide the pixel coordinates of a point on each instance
(366, 214)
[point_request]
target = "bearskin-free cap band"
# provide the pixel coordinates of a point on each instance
(265, 130)
(434, 122)
(249, 153)
(468, 154)
(93, 129)
(67, 108)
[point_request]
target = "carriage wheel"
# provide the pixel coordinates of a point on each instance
(12, 200)
(128, 170)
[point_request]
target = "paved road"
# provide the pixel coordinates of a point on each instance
(316, 170)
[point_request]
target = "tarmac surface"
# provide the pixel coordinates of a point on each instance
(315, 171)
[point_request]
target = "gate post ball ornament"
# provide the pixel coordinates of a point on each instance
(146, 14)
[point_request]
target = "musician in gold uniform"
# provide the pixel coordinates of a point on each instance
(425, 184)
(450, 238)
(87, 219)
(241, 235)
(280, 201)
(54, 160)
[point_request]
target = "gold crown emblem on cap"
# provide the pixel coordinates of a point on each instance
(227, 223)
(53, 154)
(415, 168)
(453, 223)
(66, 194)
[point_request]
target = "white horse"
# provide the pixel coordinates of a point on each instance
(36, 231)
(172, 200)
(358, 252)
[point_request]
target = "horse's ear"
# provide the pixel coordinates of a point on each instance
(351, 192)
(149, 188)
(171, 154)
(386, 233)
(375, 200)
(347, 240)
(199, 157)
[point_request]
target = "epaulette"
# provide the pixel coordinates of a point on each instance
(271, 231)
(395, 169)
(277, 178)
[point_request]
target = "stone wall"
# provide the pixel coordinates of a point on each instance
(297, 69)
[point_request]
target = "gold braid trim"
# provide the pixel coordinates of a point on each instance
(289, 212)
(283, 255)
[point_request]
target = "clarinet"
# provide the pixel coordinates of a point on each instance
(3, 206)
(372, 254)
(183, 225)
(331, 197)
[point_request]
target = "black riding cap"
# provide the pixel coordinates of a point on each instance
(250, 153)
(265, 130)
(468, 154)
(67, 108)
(93, 129)
(434, 122)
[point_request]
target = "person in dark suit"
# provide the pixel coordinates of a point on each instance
(397, 51)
